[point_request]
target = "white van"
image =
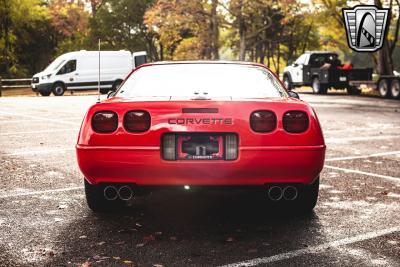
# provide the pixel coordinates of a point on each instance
(80, 70)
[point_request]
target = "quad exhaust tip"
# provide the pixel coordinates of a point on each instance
(290, 193)
(276, 193)
(124, 193)
(110, 193)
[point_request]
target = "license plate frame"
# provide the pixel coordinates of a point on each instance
(200, 146)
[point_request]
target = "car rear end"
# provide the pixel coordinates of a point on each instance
(182, 143)
(201, 140)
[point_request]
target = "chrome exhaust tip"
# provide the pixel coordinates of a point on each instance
(290, 193)
(125, 193)
(110, 193)
(275, 193)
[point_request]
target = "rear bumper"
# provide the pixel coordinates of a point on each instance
(254, 166)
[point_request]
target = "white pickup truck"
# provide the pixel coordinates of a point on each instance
(322, 70)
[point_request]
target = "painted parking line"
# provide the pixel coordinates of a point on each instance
(386, 127)
(8, 121)
(315, 249)
(38, 132)
(58, 121)
(390, 178)
(34, 152)
(42, 192)
(344, 140)
(364, 156)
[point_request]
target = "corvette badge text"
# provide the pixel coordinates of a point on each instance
(366, 27)
(197, 121)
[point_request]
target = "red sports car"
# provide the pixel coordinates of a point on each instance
(201, 124)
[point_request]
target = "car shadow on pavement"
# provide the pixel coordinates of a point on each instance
(183, 230)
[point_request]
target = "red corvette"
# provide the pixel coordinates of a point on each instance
(198, 124)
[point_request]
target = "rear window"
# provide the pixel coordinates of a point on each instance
(216, 80)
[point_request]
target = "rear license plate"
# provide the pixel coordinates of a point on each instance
(200, 146)
(342, 78)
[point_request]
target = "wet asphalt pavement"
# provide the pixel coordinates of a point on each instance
(44, 220)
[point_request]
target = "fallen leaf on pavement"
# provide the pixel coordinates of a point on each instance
(85, 264)
(230, 239)
(149, 238)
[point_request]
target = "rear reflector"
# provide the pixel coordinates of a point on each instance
(263, 121)
(169, 147)
(137, 121)
(295, 121)
(231, 147)
(105, 121)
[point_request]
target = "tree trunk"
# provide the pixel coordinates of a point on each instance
(214, 27)
(384, 56)
(242, 45)
(384, 62)
(278, 59)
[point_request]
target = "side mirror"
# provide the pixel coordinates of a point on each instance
(294, 94)
(111, 94)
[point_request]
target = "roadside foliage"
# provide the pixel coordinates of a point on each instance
(34, 32)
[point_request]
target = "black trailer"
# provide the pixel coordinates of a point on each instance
(388, 85)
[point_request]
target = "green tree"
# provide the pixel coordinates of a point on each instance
(119, 25)
(186, 29)
(22, 21)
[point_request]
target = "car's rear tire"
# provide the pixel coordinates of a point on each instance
(58, 89)
(395, 89)
(353, 90)
(318, 88)
(383, 88)
(287, 82)
(308, 197)
(97, 202)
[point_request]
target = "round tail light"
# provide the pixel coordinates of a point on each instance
(137, 121)
(263, 121)
(105, 121)
(295, 121)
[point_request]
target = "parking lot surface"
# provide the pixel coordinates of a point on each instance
(45, 221)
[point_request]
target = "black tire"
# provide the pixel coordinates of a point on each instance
(58, 89)
(116, 85)
(308, 197)
(287, 82)
(395, 89)
(44, 93)
(318, 88)
(104, 91)
(353, 90)
(383, 88)
(96, 201)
